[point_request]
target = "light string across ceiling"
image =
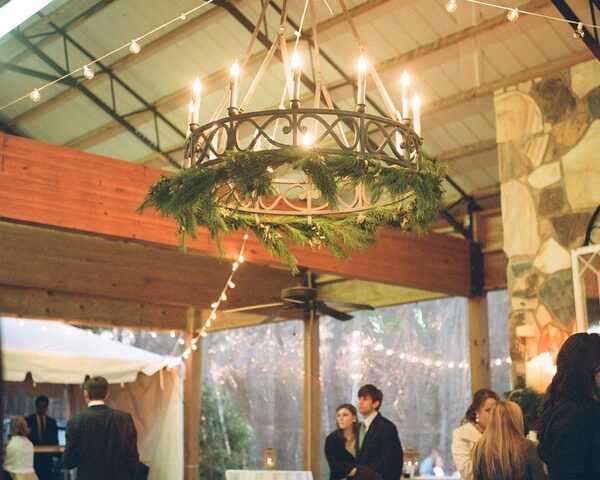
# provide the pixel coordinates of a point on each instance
(135, 48)
(202, 331)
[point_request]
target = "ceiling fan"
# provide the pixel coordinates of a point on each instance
(305, 299)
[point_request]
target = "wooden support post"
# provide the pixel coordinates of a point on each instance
(312, 407)
(479, 347)
(191, 412)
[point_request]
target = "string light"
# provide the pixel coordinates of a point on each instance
(513, 15)
(214, 306)
(451, 6)
(88, 72)
(172, 333)
(35, 95)
(129, 45)
(134, 47)
(579, 33)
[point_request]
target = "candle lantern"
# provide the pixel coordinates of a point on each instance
(269, 459)
(411, 462)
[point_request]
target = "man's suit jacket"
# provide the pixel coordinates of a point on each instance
(49, 435)
(380, 456)
(102, 444)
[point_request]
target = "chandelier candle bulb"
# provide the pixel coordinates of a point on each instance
(296, 74)
(197, 93)
(190, 119)
(404, 85)
(362, 84)
(234, 85)
(416, 110)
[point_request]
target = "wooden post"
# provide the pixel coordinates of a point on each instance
(479, 347)
(312, 408)
(191, 405)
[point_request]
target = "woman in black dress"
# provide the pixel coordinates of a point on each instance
(341, 444)
(570, 421)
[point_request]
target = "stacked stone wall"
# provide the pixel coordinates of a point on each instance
(548, 134)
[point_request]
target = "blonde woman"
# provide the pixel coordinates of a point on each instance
(18, 461)
(474, 424)
(503, 452)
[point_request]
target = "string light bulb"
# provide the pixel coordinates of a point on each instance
(134, 47)
(181, 341)
(172, 333)
(35, 96)
(223, 296)
(88, 72)
(213, 315)
(513, 15)
(240, 259)
(579, 33)
(230, 284)
(451, 6)
(235, 266)
(214, 305)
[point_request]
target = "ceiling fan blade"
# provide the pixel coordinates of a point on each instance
(324, 309)
(353, 306)
(277, 314)
(253, 307)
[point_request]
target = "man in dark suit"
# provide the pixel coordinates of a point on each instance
(43, 431)
(380, 455)
(101, 441)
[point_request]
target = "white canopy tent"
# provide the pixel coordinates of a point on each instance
(56, 353)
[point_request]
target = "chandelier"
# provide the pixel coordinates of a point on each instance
(311, 175)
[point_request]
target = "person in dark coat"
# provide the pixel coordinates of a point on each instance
(341, 444)
(380, 455)
(43, 430)
(101, 441)
(570, 421)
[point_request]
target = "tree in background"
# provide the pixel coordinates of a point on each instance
(225, 437)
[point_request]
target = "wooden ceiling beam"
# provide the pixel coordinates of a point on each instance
(76, 263)
(67, 189)
(473, 149)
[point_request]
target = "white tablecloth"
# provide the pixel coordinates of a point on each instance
(267, 475)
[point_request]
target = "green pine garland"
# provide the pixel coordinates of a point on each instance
(194, 198)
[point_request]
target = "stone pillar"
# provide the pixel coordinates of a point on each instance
(548, 134)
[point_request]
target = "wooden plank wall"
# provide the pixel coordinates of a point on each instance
(56, 186)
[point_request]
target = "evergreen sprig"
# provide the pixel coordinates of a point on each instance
(202, 197)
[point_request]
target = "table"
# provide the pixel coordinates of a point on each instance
(268, 475)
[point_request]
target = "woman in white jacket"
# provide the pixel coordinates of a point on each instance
(18, 460)
(471, 430)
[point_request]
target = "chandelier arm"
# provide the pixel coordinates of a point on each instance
(391, 108)
(259, 75)
(299, 31)
(260, 20)
(352, 26)
(287, 68)
(330, 104)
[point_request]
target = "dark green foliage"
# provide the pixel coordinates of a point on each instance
(201, 197)
(530, 402)
(221, 425)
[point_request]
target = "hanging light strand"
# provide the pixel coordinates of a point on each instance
(35, 95)
(132, 43)
(202, 332)
(525, 12)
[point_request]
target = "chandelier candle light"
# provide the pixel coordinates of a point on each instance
(320, 177)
